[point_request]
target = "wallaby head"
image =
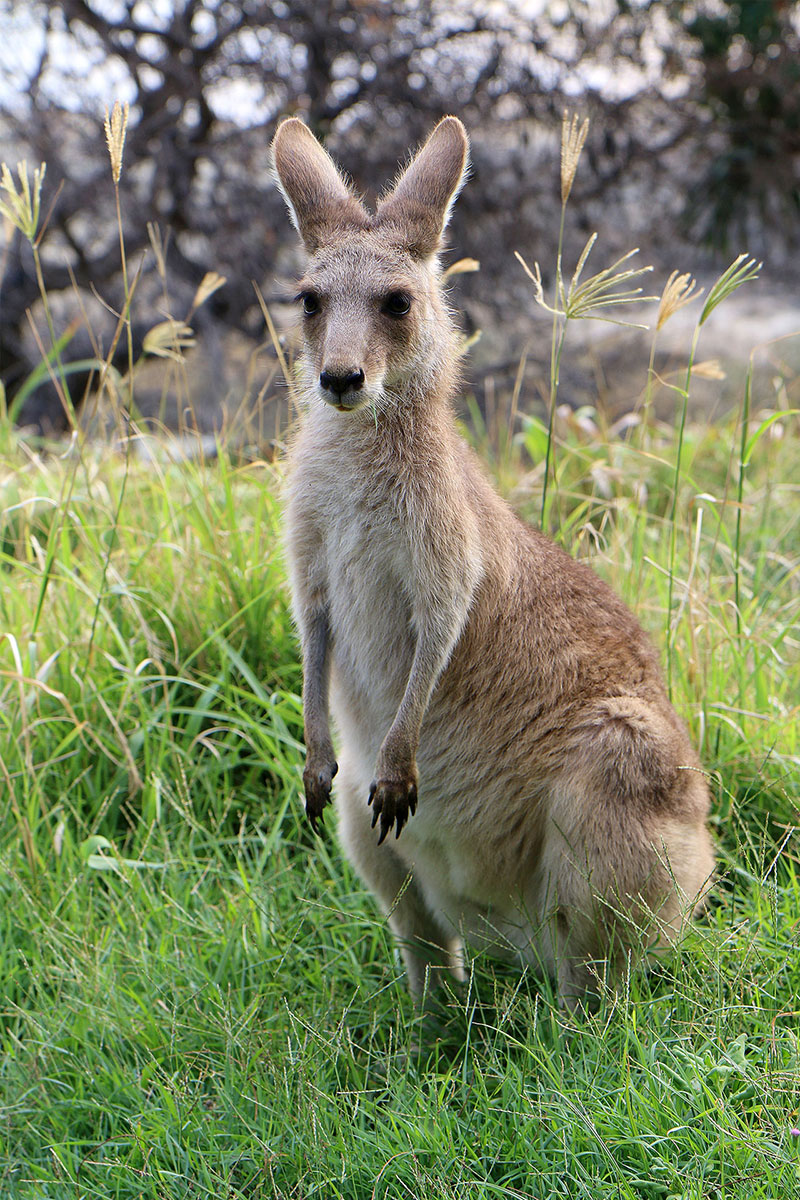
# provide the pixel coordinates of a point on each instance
(376, 327)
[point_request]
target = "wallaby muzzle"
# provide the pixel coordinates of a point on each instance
(339, 383)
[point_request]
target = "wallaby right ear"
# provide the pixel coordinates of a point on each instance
(320, 202)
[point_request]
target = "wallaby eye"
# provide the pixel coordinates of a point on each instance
(397, 304)
(311, 303)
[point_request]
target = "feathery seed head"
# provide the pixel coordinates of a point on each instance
(595, 297)
(21, 205)
(116, 125)
(742, 270)
(169, 339)
(573, 135)
(710, 368)
(464, 266)
(211, 282)
(679, 290)
(535, 277)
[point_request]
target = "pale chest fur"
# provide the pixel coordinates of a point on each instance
(380, 551)
(346, 537)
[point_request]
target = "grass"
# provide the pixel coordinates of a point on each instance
(199, 998)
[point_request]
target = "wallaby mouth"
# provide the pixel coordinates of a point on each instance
(345, 404)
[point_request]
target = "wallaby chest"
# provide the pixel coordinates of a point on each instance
(346, 528)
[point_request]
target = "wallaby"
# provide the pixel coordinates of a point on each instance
(495, 702)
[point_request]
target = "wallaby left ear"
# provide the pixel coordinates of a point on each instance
(419, 204)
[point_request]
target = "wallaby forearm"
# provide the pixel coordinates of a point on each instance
(393, 794)
(320, 759)
(431, 655)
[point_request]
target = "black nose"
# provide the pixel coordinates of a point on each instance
(340, 383)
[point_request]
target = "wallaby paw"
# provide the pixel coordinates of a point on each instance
(317, 780)
(393, 800)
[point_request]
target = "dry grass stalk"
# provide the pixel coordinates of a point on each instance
(158, 244)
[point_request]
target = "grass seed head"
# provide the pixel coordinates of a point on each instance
(573, 135)
(20, 205)
(595, 297)
(211, 282)
(535, 277)
(710, 368)
(678, 290)
(464, 266)
(169, 339)
(116, 125)
(742, 270)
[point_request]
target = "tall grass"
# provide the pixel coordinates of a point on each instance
(199, 998)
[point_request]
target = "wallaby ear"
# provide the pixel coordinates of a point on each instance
(320, 202)
(419, 203)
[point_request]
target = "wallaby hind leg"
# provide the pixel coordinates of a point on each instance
(427, 949)
(605, 896)
(626, 855)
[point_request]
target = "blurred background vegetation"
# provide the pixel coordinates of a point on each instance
(693, 154)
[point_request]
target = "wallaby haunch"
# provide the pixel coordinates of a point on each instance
(495, 702)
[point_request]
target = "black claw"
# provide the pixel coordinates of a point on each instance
(315, 819)
(394, 804)
(318, 793)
